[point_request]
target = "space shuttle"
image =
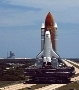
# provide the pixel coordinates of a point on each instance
(48, 52)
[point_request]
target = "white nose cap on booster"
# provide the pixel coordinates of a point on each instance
(43, 26)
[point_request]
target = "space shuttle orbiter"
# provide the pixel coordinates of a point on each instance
(48, 51)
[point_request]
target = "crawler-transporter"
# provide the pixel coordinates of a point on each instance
(57, 70)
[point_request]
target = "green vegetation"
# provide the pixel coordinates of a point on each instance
(12, 75)
(13, 70)
(6, 83)
(21, 61)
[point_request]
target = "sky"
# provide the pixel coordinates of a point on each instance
(20, 26)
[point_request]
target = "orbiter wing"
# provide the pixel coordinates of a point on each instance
(54, 54)
(40, 55)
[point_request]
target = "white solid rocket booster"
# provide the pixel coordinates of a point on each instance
(42, 36)
(56, 27)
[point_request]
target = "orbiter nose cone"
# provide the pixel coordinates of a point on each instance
(49, 21)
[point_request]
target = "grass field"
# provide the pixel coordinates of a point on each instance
(6, 83)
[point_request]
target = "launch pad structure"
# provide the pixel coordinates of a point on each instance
(49, 66)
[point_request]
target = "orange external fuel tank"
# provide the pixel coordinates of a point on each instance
(49, 25)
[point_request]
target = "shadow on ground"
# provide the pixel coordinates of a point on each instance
(46, 82)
